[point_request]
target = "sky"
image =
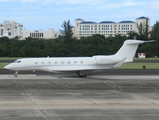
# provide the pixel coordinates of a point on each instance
(45, 14)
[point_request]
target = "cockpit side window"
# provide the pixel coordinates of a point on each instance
(17, 61)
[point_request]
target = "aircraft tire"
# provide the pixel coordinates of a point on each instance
(15, 75)
(83, 75)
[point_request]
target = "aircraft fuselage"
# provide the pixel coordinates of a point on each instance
(64, 63)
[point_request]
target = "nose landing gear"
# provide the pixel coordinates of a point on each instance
(16, 74)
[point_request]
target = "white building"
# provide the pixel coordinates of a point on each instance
(49, 34)
(11, 29)
(106, 28)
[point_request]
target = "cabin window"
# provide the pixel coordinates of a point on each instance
(55, 62)
(49, 62)
(68, 62)
(42, 63)
(62, 62)
(81, 62)
(36, 63)
(75, 62)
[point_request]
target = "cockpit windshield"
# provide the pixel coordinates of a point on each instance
(17, 61)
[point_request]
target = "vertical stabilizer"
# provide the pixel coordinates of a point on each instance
(128, 49)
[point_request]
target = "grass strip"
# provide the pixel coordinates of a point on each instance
(2, 65)
(140, 66)
(146, 59)
(9, 58)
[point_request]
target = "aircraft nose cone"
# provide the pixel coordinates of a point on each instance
(7, 67)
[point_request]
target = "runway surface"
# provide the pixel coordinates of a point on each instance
(97, 97)
(104, 72)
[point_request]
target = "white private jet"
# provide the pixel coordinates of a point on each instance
(80, 65)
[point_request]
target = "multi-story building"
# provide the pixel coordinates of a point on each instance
(106, 28)
(11, 29)
(49, 34)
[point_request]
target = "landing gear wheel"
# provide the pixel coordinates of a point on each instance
(81, 75)
(15, 75)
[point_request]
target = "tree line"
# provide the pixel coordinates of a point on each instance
(68, 46)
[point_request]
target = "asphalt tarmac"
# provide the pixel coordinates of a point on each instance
(103, 72)
(97, 97)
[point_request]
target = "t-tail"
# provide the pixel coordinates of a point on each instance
(128, 50)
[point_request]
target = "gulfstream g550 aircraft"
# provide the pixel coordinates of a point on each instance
(80, 65)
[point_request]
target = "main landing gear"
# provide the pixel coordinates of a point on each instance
(83, 75)
(16, 74)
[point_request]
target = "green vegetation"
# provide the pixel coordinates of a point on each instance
(8, 58)
(2, 65)
(144, 59)
(68, 46)
(86, 46)
(140, 66)
(67, 32)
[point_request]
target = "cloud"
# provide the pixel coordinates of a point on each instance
(155, 4)
(125, 3)
(90, 2)
(84, 2)
(6, 0)
(29, 0)
(131, 3)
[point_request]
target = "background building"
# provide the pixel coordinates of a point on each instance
(11, 29)
(49, 34)
(106, 28)
(81, 28)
